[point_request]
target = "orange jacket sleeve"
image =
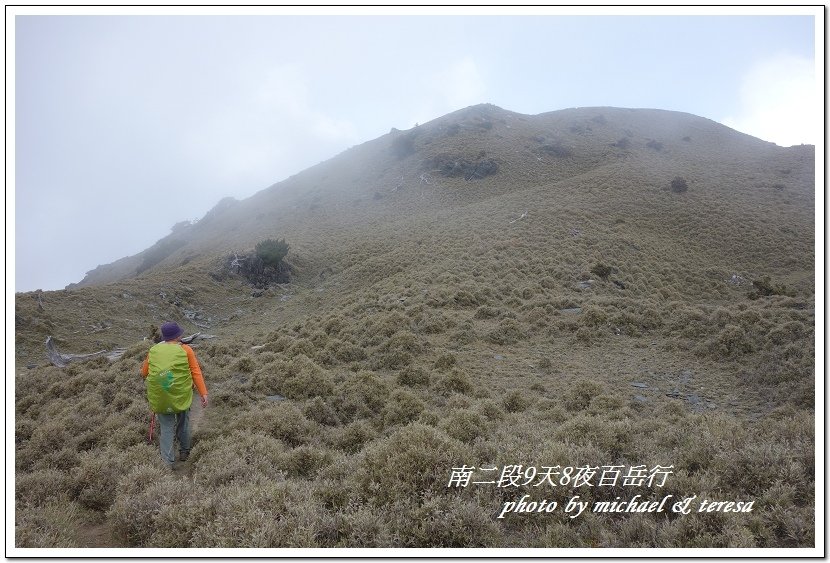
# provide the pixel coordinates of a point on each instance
(145, 367)
(195, 370)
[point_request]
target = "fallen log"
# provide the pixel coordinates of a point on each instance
(62, 360)
(193, 337)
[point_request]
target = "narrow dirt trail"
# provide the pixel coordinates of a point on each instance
(95, 535)
(99, 533)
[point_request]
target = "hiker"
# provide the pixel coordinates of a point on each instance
(171, 371)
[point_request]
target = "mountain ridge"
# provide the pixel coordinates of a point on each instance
(378, 169)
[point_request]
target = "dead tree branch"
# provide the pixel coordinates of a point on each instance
(62, 360)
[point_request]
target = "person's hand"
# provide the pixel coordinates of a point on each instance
(204, 402)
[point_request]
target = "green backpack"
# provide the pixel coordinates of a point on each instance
(169, 382)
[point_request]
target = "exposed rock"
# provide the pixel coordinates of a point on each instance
(454, 166)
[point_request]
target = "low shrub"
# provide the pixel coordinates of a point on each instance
(456, 381)
(140, 495)
(679, 185)
(403, 144)
(589, 336)
(594, 317)
(238, 456)
(280, 419)
(485, 312)
(613, 437)
(444, 362)
(362, 395)
(244, 364)
(404, 341)
(465, 334)
(508, 331)
(345, 351)
(303, 379)
(95, 479)
(656, 145)
(305, 461)
(413, 376)
(730, 342)
(413, 461)
(490, 410)
(579, 395)
(403, 407)
(515, 401)
(47, 525)
(269, 515)
(40, 486)
(352, 437)
(442, 521)
(48, 437)
(601, 270)
(392, 360)
(321, 412)
(764, 287)
(301, 347)
(464, 425)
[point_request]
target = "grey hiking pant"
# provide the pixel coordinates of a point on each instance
(176, 425)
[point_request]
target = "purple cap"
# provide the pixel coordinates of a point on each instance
(171, 331)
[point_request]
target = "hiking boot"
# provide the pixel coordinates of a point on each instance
(183, 456)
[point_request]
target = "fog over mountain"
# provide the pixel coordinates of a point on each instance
(490, 151)
(130, 120)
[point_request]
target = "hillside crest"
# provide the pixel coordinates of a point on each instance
(477, 152)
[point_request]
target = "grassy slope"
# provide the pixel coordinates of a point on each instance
(428, 327)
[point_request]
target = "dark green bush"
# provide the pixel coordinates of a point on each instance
(765, 288)
(679, 185)
(272, 251)
(601, 270)
(656, 145)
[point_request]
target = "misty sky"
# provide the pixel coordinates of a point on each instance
(127, 124)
